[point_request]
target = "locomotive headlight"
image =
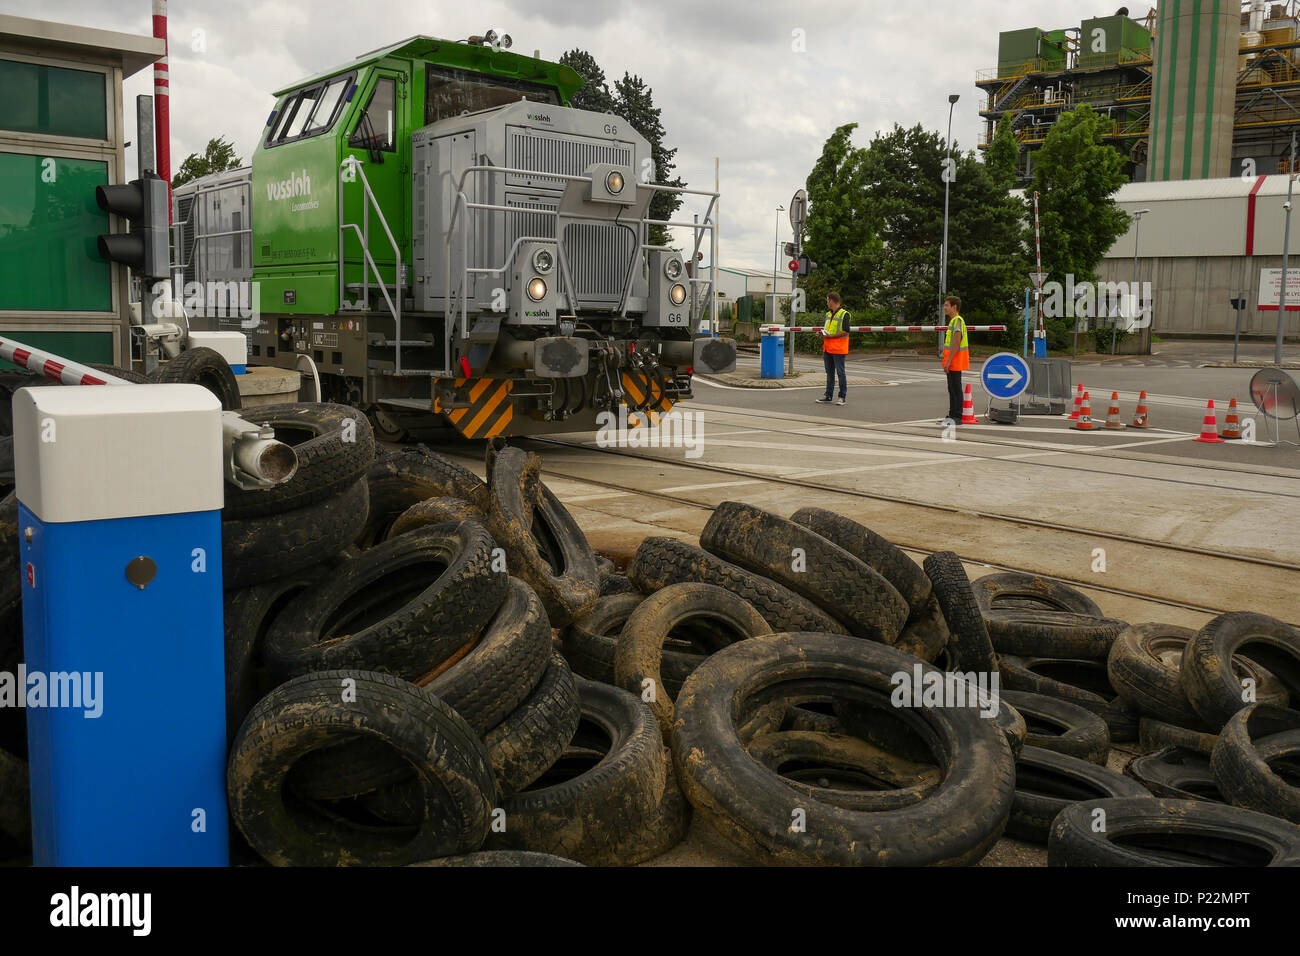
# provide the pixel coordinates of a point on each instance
(614, 182)
(677, 294)
(543, 261)
(537, 289)
(673, 268)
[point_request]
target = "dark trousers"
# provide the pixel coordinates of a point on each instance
(955, 396)
(835, 366)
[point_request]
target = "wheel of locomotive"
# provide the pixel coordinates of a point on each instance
(385, 426)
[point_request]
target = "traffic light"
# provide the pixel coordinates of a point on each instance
(142, 202)
(806, 266)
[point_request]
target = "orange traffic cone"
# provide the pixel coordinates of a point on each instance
(1210, 430)
(1078, 403)
(1141, 418)
(968, 409)
(1231, 423)
(1084, 424)
(1112, 413)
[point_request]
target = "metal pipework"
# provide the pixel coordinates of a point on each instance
(253, 458)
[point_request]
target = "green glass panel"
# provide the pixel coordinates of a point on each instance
(49, 224)
(52, 100)
(78, 346)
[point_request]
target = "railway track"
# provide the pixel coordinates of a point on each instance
(965, 531)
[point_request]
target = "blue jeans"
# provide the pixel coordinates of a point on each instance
(835, 366)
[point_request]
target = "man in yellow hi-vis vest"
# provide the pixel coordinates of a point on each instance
(835, 346)
(956, 354)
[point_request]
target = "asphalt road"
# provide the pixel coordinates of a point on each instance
(913, 392)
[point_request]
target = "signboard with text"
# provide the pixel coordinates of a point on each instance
(1270, 289)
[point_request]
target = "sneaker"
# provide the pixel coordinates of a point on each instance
(823, 401)
(841, 402)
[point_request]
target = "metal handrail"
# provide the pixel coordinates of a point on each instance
(363, 235)
(463, 201)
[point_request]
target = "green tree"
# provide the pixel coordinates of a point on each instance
(634, 101)
(1003, 156)
(595, 94)
(1076, 176)
(216, 158)
(840, 233)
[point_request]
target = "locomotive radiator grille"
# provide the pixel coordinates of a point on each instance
(598, 254)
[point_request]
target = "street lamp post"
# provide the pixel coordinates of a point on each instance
(1286, 252)
(1137, 234)
(947, 184)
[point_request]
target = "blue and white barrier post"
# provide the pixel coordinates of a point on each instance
(120, 495)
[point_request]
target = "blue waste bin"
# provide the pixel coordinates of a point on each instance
(771, 354)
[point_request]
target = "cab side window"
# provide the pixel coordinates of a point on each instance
(377, 126)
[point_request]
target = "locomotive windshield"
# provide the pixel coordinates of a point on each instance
(451, 92)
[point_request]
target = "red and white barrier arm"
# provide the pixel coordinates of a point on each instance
(55, 366)
(881, 328)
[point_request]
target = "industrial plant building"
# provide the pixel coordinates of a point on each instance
(1195, 90)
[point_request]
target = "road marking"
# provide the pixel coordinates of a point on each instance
(677, 489)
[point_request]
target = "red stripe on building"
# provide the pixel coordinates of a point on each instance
(1250, 216)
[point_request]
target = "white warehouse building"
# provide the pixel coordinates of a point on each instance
(1202, 243)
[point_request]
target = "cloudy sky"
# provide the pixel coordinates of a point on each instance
(758, 85)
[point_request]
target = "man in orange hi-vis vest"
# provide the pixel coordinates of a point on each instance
(956, 354)
(835, 346)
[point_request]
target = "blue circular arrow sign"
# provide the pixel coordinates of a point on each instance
(1005, 375)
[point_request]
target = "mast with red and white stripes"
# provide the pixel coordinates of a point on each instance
(161, 103)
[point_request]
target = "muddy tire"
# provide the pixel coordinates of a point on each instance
(926, 634)
(639, 650)
(831, 578)
(404, 478)
(448, 759)
(1161, 832)
(1176, 774)
(501, 858)
(889, 561)
(15, 800)
(201, 366)
(1048, 782)
(248, 615)
(1243, 760)
(1006, 590)
(957, 823)
(1208, 677)
(1144, 665)
(584, 817)
(334, 445)
(434, 511)
(1081, 682)
(502, 669)
(256, 550)
(1061, 727)
(543, 543)
(969, 637)
(524, 745)
(1036, 633)
(1156, 735)
(659, 562)
(844, 771)
(591, 644)
(617, 584)
(401, 608)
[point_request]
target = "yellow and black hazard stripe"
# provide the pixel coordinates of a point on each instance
(490, 409)
(644, 393)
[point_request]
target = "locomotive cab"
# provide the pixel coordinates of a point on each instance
(442, 238)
